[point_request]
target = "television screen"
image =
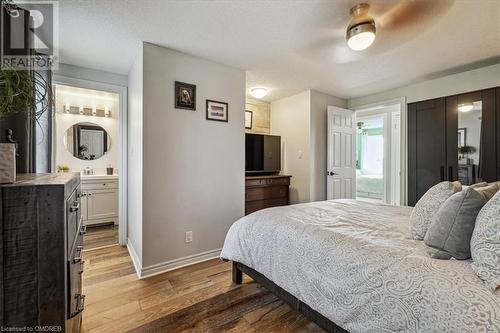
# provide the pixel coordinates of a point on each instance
(262, 153)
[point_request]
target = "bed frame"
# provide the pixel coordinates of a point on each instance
(295, 303)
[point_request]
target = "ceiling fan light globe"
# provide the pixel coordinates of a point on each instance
(361, 36)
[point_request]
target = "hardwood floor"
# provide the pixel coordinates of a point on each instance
(197, 298)
(99, 236)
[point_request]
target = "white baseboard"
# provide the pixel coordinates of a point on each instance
(178, 263)
(135, 258)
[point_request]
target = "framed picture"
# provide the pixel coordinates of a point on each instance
(462, 137)
(217, 111)
(248, 119)
(185, 96)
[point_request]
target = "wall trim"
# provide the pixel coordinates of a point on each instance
(135, 258)
(170, 265)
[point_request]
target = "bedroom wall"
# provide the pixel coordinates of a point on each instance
(290, 118)
(261, 117)
(193, 167)
(318, 143)
(135, 160)
(476, 79)
(301, 121)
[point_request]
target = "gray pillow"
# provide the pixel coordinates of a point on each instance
(427, 207)
(485, 244)
(451, 230)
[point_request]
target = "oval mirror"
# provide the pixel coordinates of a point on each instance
(87, 141)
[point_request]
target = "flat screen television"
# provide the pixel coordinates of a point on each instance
(262, 154)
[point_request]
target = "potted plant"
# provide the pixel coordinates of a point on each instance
(464, 152)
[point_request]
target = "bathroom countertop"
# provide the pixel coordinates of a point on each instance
(98, 177)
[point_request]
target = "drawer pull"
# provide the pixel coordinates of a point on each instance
(75, 206)
(82, 264)
(78, 254)
(83, 229)
(80, 303)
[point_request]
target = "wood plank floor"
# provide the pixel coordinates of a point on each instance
(100, 235)
(197, 298)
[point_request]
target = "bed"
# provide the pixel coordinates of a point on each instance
(369, 185)
(352, 266)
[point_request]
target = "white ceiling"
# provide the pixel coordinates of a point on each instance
(288, 46)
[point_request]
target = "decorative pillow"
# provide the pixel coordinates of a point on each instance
(451, 229)
(425, 209)
(485, 244)
(477, 185)
(488, 192)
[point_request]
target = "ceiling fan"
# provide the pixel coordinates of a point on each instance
(361, 30)
(381, 24)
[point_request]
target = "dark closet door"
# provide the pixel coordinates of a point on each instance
(426, 146)
(497, 132)
(489, 131)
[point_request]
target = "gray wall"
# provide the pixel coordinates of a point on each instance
(319, 103)
(301, 121)
(193, 176)
(78, 72)
(135, 157)
(477, 79)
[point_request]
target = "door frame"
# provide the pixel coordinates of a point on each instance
(123, 134)
(404, 138)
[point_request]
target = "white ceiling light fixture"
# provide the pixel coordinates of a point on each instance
(465, 107)
(258, 92)
(361, 30)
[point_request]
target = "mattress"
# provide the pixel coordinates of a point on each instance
(355, 263)
(370, 184)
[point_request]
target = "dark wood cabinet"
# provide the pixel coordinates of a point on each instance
(433, 141)
(41, 243)
(266, 191)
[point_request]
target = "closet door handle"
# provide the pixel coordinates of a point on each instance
(441, 171)
(450, 173)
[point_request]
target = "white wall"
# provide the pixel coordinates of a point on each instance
(193, 168)
(83, 73)
(477, 79)
(290, 119)
(319, 104)
(135, 159)
(63, 121)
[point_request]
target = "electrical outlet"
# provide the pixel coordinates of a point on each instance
(189, 237)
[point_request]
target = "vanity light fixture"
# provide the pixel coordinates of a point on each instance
(258, 92)
(465, 107)
(80, 109)
(361, 30)
(107, 113)
(94, 111)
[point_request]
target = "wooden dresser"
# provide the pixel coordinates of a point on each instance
(266, 191)
(41, 244)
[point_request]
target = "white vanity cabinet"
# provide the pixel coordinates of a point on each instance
(99, 201)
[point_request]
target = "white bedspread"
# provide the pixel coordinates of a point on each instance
(354, 263)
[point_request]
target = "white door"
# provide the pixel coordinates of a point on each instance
(341, 164)
(102, 204)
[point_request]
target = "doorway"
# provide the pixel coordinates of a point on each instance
(88, 138)
(378, 154)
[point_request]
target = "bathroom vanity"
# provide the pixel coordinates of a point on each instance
(99, 201)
